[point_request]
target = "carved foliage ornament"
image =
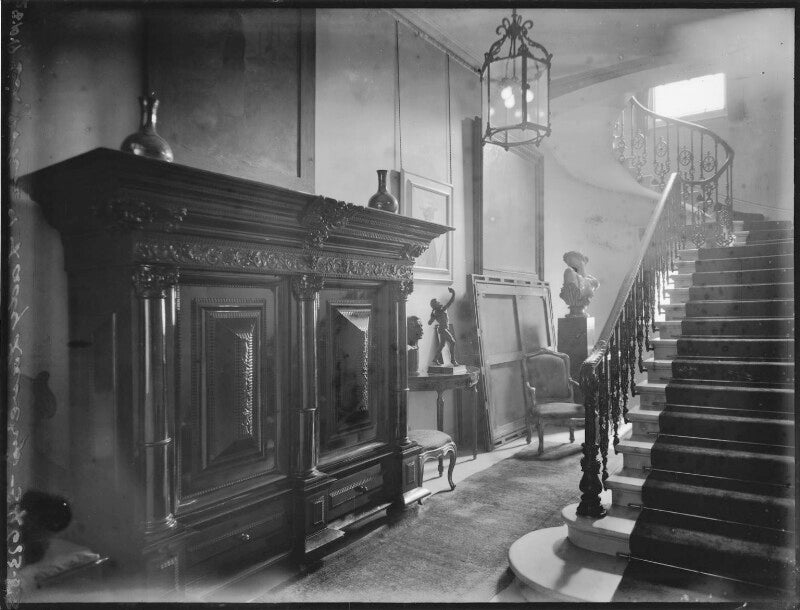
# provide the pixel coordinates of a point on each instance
(305, 287)
(153, 281)
(400, 290)
(321, 216)
(235, 257)
(129, 214)
(414, 251)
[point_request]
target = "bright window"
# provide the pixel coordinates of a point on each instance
(696, 96)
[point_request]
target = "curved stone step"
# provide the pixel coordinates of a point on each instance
(626, 487)
(608, 535)
(542, 558)
(664, 349)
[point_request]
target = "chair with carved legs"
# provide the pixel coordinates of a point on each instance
(550, 394)
(435, 446)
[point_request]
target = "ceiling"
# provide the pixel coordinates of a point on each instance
(582, 40)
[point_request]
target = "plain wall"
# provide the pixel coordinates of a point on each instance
(79, 78)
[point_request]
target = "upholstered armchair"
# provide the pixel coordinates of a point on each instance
(550, 394)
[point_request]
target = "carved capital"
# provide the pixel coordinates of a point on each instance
(305, 287)
(153, 281)
(321, 216)
(400, 290)
(414, 251)
(129, 214)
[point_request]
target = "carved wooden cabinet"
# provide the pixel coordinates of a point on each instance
(236, 389)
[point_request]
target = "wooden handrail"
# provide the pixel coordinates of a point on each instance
(606, 373)
(601, 345)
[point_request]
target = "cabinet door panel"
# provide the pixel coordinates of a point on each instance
(229, 388)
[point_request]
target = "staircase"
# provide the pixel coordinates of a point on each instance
(707, 484)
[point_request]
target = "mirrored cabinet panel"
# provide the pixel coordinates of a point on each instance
(350, 341)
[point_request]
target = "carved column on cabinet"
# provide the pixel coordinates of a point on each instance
(154, 286)
(399, 296)
(406, 470)
(306, 452)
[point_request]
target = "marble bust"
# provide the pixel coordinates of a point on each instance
(579, 286)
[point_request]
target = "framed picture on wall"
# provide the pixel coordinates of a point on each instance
(430, 200)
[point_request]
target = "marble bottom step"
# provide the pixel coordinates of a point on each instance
(609, 535)
(551, 568)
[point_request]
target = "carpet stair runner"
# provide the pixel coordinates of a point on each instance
(707, 483)
(719, 493)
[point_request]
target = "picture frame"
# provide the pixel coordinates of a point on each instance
(430, 200)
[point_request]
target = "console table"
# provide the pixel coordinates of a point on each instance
(439, 384)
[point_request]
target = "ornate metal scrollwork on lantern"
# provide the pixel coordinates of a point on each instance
(516, 81)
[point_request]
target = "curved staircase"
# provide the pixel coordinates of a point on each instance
(705, 498)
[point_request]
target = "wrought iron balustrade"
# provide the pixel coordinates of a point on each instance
(645, 142)
(607, 375)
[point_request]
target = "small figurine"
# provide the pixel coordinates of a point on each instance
(414, 331)
(439, 315)
(579, 286)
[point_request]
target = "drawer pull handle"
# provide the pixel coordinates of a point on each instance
(361, 489)
(244, 537)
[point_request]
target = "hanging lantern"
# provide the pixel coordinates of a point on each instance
(516, 82)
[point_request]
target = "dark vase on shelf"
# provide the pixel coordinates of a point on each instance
(383, 199)
(146, 142)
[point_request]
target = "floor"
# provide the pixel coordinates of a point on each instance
(260, 581)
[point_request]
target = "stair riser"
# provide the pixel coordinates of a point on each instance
(773, 249)
(626, 497)
(682, 280)
(645, 429)
(779, 432)
(638, 462)
(688, 255)
(652, 401)
(755, 372)
(725, 397)
(665, 352)
(669, 331)
(728, 565)
(732, 348)
(766, 225)
(744, 309)
(743, 264)
(717, 328)
(769, 235)
(761, 468)
(597, 543)
(687, 267)
(678, 295)
(760, 276)
(673, 312)
(744, 292)
(659, 374)
(753, 513)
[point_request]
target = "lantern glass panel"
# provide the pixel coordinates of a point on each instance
(506, 95)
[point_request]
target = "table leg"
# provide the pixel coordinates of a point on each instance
(439, 410)
(475, 423)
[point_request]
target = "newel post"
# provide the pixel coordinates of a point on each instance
(590, 485)
(154, 286)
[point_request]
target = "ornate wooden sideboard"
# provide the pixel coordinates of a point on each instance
(236, 389)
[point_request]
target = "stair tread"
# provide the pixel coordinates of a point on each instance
(626, 480)
(618, 522)
(634, 445)
(733, 454)
(645, 415)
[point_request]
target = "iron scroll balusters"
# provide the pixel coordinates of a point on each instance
(703, 160)
(607, 375)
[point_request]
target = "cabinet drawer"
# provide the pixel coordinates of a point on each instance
(244, 533)
(354, 491)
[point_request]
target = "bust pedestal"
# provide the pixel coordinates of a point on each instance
(575, 338)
